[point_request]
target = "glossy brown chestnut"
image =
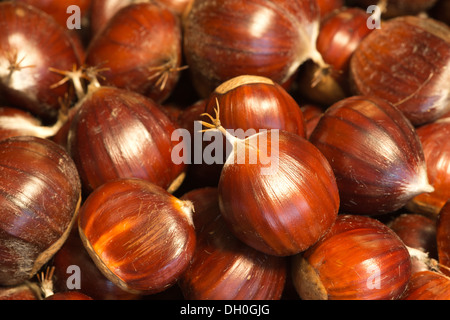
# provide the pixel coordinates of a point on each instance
(118, 133)
(328, 6)
(140, 50)
(406, 63)
(255, 102)
(69, 295)
(312, 114)
(88, 279)
(277, 192)
(395, 8)
(359, 258)
(140, 237)
(222, 267)
(340, 33)
(375, 154)
(25, 78)
(224, 39)
(40, 192)
(428, 285)
(436, 148)
(443, 238)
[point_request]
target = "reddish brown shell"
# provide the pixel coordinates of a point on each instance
(443, 238)
(285, 205)
(428, 285)
(359, 258)
(140, 237)
(406, 63)
(375, 154)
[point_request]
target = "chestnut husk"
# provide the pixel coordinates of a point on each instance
(375, 154)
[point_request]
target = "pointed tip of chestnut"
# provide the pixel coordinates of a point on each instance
(238, 81)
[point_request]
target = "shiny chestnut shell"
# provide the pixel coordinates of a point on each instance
(40, 194)
(375, 154)
(428, 285)
(225, 39)
(443, 238)
(222, 267)
(140, 237)
(139, 50)
(436, 148)
(118, 133)
(359, 258)
(282, 206)
(25, 78)
(406, 63)
(256, 102)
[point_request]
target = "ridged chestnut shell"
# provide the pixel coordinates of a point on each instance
(140, 49)
(359, 258)
(443, 238)
(428, 285)
(40, 192)
(375, 154)
(31, 42)
(222, 267)
(436, 148)
(118, 133)
(141, 237)
(225, 39)
(281, 207)
(406, 63)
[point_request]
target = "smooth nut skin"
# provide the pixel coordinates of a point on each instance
(40, 192)
(224, 39)
(25, 78)
(222, 267)
(359, 258)
(375, 154)
(428, 285)
(140, 48)
(121, 134)
(140, 237)
(443, 238)
(284, 207)
(406, 63)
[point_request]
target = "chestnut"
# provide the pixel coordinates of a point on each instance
(280, 203)
(117, 133)
(359, 258)
(140, 49)
(225, 39)
(222, 267)
(375, 153)
(436, 148)
(443, 238)
(428, 285)
(25, 78)
(23, 291)
(141, 237)
(40, 196)
(406, 63)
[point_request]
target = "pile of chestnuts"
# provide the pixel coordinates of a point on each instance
(224, 150)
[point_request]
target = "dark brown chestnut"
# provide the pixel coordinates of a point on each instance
(139, 50)
(277, 192)
(359, 258)
(25, 77)
(40, 196)
(406, 63)
(141, 237)
(222, 267)
(375, 154)
(225, 39)
(395, 8)
(117, 133)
